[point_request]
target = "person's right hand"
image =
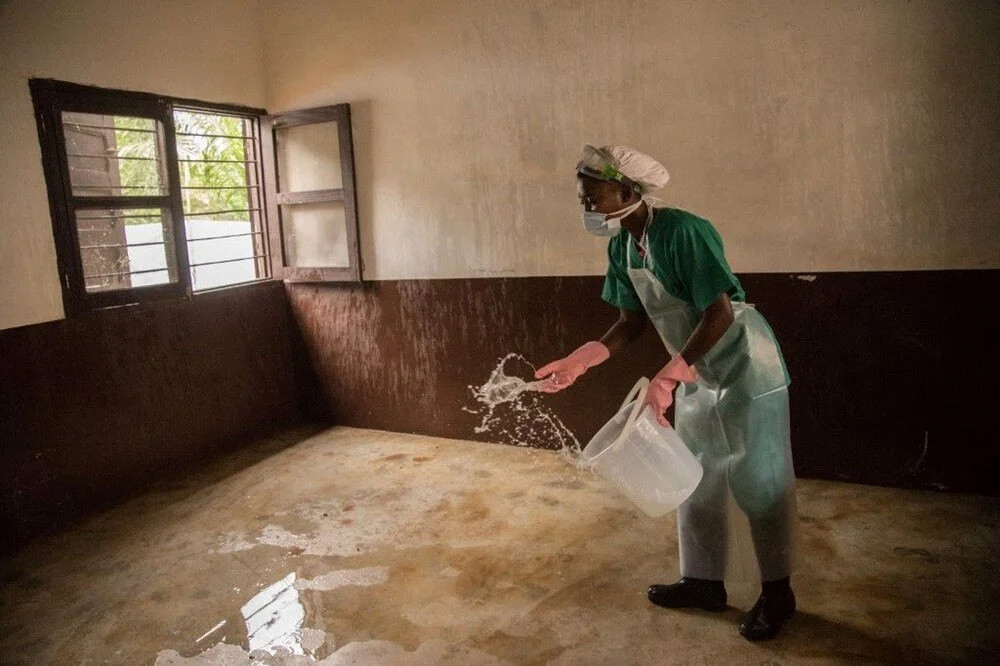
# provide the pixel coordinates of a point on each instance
(562, 373)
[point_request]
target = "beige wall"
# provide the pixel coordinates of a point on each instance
(848, 135)
(203, 49)
(817, 135)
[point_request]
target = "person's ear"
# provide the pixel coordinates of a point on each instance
(627, 192)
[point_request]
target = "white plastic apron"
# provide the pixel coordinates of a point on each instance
(735, 421)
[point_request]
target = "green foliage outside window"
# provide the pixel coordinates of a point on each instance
(212, 170)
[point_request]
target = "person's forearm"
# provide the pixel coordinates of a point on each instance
(624, 331)
(715, 321)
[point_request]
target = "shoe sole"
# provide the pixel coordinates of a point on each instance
(777, 630)
(712, 608)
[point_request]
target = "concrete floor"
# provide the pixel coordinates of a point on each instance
(362, 547)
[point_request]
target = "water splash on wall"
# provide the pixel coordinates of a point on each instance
(513, 410)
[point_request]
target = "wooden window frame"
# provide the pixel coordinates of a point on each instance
(50, 99)
(276, 198)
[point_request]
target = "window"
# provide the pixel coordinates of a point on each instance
(312, 199)
(155, 197)
(218, 160)
(114, 162)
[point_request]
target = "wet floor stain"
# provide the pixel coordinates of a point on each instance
(311, 557)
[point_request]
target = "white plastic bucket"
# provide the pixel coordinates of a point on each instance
(647, 462)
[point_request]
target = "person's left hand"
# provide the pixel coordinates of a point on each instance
(660, 394)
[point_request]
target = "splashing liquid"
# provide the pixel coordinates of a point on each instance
(512, 411)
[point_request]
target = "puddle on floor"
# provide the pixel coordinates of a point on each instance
(368, 653)
(274, 623)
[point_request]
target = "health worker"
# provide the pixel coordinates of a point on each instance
(667, 267)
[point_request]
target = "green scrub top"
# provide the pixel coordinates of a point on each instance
(685, 255)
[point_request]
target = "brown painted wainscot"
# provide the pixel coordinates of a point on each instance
(99, 406)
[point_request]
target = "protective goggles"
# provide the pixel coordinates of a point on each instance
(598, 163)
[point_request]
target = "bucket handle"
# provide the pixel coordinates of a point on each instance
(638, 393)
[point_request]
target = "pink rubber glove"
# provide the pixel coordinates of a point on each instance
(567, 370)
(660, 394)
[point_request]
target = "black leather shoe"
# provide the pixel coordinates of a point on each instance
(767, 615)
(709, 595)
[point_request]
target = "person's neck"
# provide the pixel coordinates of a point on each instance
(635, 222)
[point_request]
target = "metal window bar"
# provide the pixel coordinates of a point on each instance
(110, 156)
(105, 230)
(83, 200)
(227, 261)
(263, 265)
(72, 124)
(151, 216)
(218, 136)
(101, 230)
(107, 275)
(219, 161)
(220, 212)
(120, 245)
(233, 187)
(249, 233)
(119, 187)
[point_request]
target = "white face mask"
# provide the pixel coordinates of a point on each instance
(600, 224)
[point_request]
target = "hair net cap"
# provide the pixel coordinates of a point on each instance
(621, 163)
